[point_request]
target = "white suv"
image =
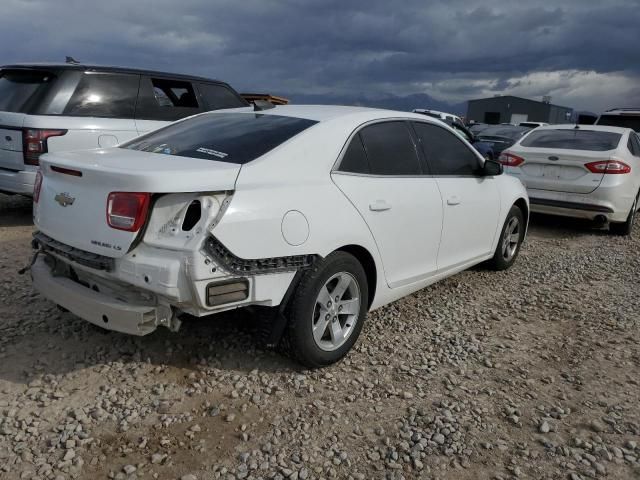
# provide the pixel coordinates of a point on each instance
(321, 212)
(61, 107)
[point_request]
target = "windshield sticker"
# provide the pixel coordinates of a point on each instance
(215, 153)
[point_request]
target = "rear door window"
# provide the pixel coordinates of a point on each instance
(21, 90)
(166, 99)
(355, 158)
(219, 96)
(573, 139)
(111, 95)
(223, 137)
(445, 152)
(390, 149)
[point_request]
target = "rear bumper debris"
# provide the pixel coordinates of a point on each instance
(97, 308)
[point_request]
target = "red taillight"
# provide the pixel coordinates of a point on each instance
(609, 167)
(127, 210)
(37, 186)
(34, 143)
(510, 160)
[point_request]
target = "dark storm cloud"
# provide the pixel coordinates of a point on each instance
(343, 47)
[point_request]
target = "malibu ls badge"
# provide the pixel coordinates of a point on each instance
(64, 199)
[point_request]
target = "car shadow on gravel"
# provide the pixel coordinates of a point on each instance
(15, 211)
(67, 344)
(551, 225)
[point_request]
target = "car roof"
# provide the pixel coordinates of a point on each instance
(437, 112)
(105, 68)
(596, 128)
(623, 111)
(323, 113)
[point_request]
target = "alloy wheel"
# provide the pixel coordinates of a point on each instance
(336, 311)
(511, 238)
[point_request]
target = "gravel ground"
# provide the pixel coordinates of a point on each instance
(529, 373)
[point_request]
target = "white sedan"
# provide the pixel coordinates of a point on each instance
(312, 215)
(583, 171)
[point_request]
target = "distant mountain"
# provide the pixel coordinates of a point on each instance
(406, 103)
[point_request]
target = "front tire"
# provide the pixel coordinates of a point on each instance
(625, 228)
(510, 241)
(327, 311)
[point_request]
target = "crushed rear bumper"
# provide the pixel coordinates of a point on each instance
(97, 308)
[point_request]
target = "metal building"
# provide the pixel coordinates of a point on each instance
(510, 109)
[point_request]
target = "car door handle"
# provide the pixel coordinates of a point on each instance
(379, 206)
(453, 200)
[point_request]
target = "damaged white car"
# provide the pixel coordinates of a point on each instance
(315, 214)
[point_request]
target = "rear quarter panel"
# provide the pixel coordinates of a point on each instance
(511, 191)
(295, 176)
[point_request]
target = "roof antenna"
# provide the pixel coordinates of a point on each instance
(71, 61)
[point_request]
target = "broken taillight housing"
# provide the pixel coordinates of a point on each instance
(127, 210)
(34, 143)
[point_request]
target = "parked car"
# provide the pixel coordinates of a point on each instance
(477, 127)
(316, 214)
(444, 116)
(500, 137)
(583, 117)
(485, 149)
(588, 172)
(58, 107)
(532, 124)
(621, 117)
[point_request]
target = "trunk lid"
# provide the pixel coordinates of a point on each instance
(558, 170)
(72, 208)
(11, 157)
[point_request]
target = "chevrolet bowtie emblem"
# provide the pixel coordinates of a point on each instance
(64, 199)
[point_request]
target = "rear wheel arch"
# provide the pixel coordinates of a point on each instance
(368, 264)
(521, 203)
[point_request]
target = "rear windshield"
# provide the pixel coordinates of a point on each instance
(573, 140)
(626, 121)
(223, 137)
(21, 89)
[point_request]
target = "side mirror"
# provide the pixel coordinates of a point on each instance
(492, 168)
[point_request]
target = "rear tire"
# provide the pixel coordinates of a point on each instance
(625, 228)
(327, 311)
(511, 238)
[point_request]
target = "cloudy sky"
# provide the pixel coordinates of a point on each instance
(584, 53)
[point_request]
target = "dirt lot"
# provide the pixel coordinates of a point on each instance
(530, 373)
